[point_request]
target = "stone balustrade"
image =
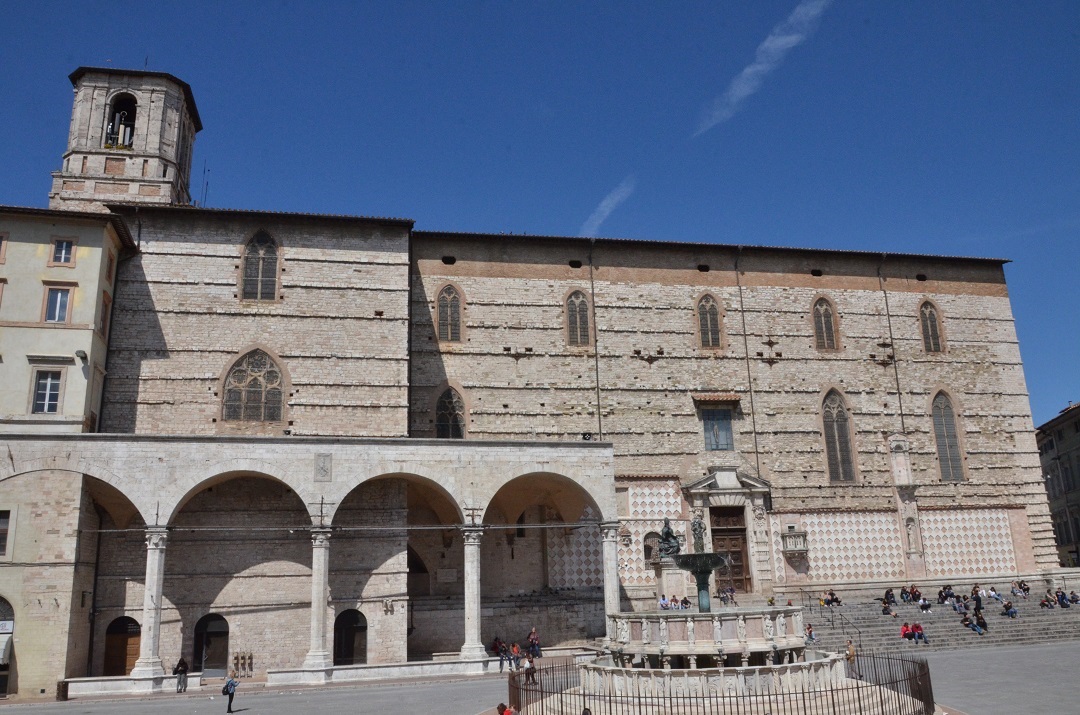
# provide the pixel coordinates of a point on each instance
(689, 633)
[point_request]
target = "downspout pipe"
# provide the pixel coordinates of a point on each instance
(746, 353)
(892, 343)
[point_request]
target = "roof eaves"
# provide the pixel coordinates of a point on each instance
(115, 220)
(118, 207)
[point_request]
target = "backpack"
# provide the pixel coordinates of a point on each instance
(225, 689)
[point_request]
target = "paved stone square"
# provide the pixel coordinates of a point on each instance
(983, 681)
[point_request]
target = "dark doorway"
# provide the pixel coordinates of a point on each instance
(350, 638)
(729, 536)
(7, 630)
(419, 583)
(211, 656)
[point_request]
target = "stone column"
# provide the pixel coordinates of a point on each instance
(610, 533)
(149, 663)
(318, 657)
(473, 646)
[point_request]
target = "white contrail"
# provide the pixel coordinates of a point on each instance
(619, 194)
(770, 53)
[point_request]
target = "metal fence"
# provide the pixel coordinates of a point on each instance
(886, 684)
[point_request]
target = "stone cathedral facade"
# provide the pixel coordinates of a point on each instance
(303, 445)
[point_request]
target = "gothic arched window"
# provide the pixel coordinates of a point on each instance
(708, 312)
(577, 319)
(950, 460)
(931, 327)
(260, 268)
(449, 315)
(254, 390)
(824, 326)
(450, 415)
(839, 456)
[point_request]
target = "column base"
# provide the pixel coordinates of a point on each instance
(149, 668)
(473, 651)
(318, 660)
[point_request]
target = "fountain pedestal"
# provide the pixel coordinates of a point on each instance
(701, 565)
(670, 579)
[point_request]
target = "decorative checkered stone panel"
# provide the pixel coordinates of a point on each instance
(972, 541)
(575, 557)
(857, 546)
(777, 548)
(649, 503)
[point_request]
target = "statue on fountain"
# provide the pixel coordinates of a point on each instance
(669, 543)
(697, 527)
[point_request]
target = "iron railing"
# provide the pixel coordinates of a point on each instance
(878, 683)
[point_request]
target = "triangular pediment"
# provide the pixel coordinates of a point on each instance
(728, 480)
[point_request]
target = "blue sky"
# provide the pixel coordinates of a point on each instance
(923, 127)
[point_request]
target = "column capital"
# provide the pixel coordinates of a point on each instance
(320, 536)
(156, 537)
(472, 534)
(610, 530)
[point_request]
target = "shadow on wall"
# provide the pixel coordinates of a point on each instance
(427, 369)
(135, 335)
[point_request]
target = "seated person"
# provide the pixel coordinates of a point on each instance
(685, 603)
(1025, 588)
(1062, 599)
(941, 595)
(890, 597)
(674, 601)
(834, 598)
(665, 605)
(1073, 598)
(924, 605)
(1046, 602)
(906, 632)
(905, 594)
(1008, 609)
(916, 629)
(886, 610)
(966, 622)
(995, 595)
(980, 621)
(810, 637)
(916, 594)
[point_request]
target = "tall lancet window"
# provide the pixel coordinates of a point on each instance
(449, 315)
(950, 460)
(931, 327)
(824, 326)
(709, 322)
(839, 455)
(577, 319)
(260, 268)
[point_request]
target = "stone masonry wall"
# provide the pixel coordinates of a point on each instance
(339, 327)
(520, 379)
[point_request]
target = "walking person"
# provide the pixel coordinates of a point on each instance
(230, 689)
(180, 671)
(849, 656)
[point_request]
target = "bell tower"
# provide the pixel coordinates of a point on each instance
(130, 141)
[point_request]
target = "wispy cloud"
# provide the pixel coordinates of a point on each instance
(799, 25)
(619, 194)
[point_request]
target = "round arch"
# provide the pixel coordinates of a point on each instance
(445, 505)
(236, 469)
(570, 498)
(118, 489)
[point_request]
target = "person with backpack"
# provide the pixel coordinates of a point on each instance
(230, 689)
(181, 671)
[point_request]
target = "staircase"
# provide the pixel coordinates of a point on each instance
(862, 622)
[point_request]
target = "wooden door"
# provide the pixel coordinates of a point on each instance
(121, 652)
(734, 543)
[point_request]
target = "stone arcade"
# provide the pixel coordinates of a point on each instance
(319, 447)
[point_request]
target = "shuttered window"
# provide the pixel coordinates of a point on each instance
(709, 322)
(824, 326)
(449, 315)
(948, 446)
(253, 390)
(577, 319)
(450, 415)
(839, 455)
(931, 329)
(260, 268)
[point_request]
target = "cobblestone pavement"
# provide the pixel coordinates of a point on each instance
(981, 681)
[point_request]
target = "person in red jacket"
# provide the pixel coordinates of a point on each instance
(906, 632)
